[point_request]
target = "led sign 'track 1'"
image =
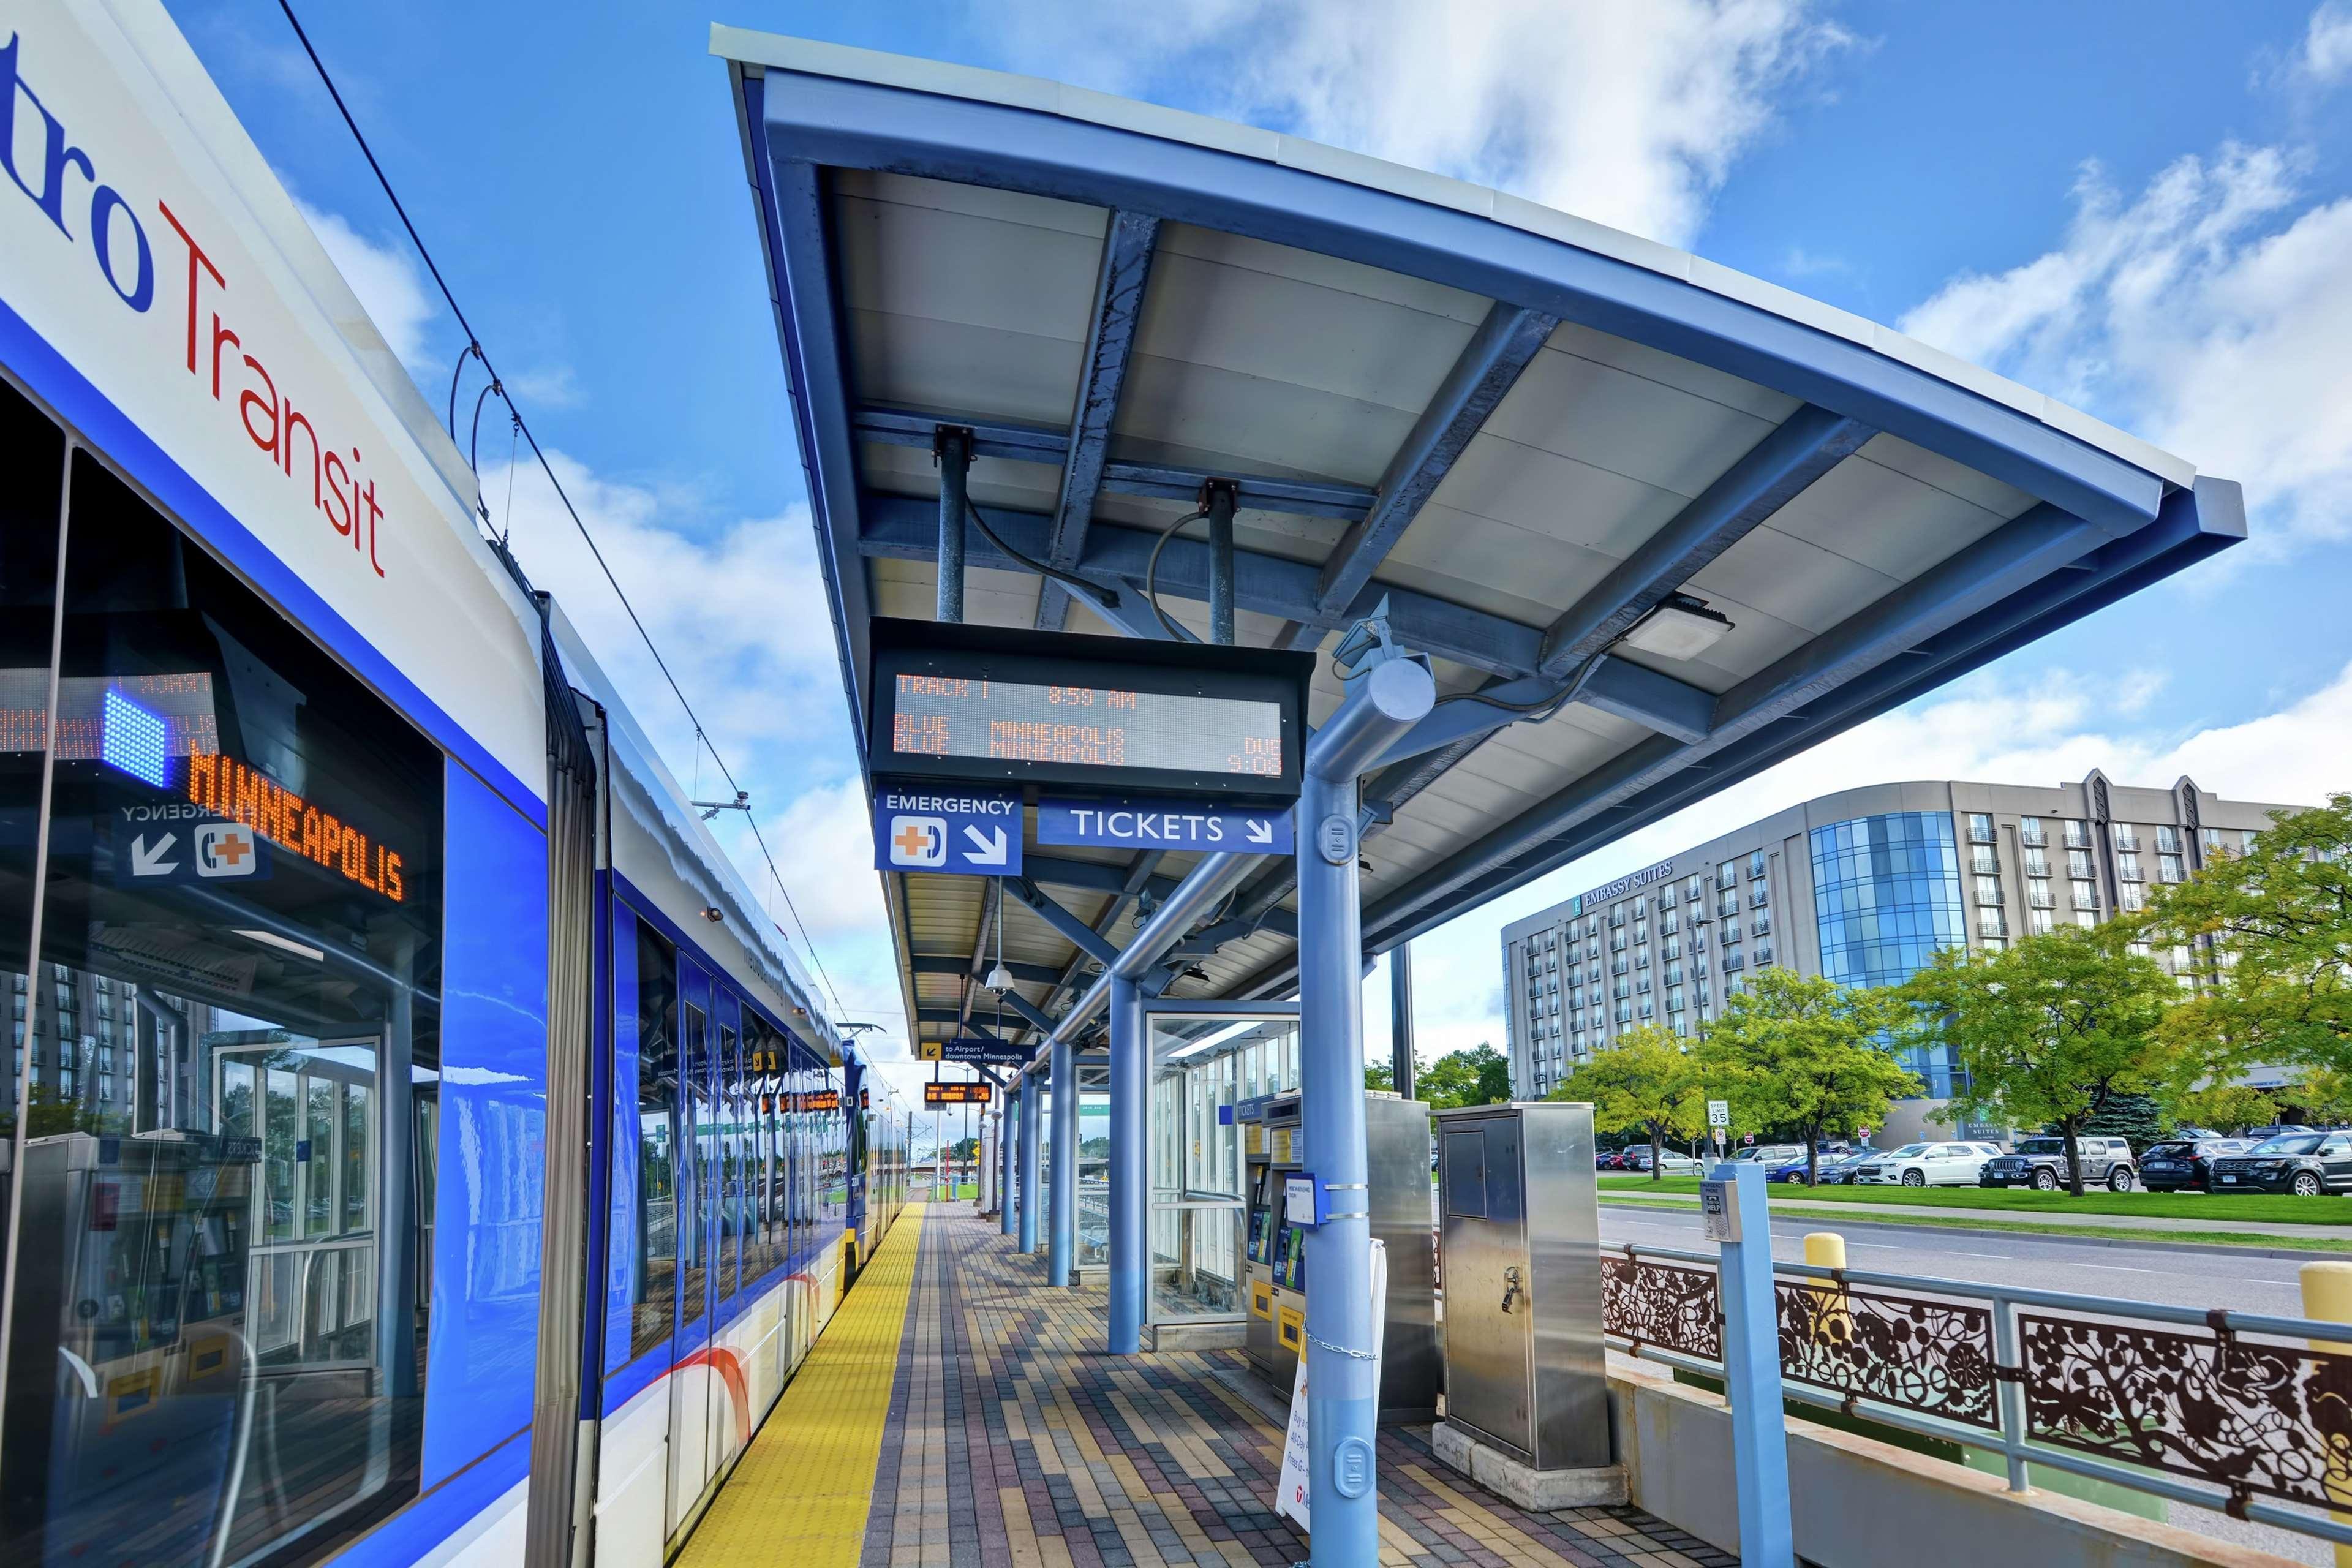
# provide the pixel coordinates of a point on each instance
(986, 704)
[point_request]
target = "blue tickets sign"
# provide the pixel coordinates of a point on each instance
(954, 832)
(1164, 825)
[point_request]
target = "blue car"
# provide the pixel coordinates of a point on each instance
(1836, 1167)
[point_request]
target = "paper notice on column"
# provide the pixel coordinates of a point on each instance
(1290, 1492)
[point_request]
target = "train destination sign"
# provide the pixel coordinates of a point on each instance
(984, 703)
(955, 1094)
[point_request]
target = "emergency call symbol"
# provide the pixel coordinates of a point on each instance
(226, 849)
(918, 841)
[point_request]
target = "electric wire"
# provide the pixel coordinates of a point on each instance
(1069, 580)
(1152, 572)
(474, 347)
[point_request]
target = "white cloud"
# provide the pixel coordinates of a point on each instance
(2211, 313)
(1628, 112)
(390, 285)
(548, 386)
(2055, 729)
(2326, 57)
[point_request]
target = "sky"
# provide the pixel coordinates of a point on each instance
(2145, 211)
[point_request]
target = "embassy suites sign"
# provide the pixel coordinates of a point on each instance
(1663, 871)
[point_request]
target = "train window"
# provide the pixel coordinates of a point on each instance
(653, 1285)
(217, 1346)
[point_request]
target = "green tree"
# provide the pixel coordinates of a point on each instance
(2324, 1096)
(1806, 1053)
(2267, 933)
(1379, 1075)
(1644, 1084)
(2135, 1118)
(2050, 1030)
(1479, 1075)
(2223, 1107)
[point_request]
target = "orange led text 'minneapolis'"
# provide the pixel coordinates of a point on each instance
(228, 786)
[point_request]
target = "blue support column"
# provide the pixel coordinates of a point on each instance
(1062, 1247)
(1031, 1092)
(1342, 1375)
(1752, 1372)
(1007, 1130)
(1130, 1212)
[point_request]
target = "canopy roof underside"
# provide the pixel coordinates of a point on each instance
(1522, 430)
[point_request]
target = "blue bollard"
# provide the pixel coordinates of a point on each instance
(1738, 1218)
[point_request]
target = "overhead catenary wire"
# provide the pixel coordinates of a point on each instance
(522, 427)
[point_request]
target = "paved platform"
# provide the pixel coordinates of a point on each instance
(1007, 1439)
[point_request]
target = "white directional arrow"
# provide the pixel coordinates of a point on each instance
(987, 848)
(146, 862)
(1259, 832)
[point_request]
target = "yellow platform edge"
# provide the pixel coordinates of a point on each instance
(801, 1491)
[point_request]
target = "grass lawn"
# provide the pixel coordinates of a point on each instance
(2271, 1240)
(2264, 1207)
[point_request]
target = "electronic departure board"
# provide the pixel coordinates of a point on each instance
(988, 703)
(955, 1094)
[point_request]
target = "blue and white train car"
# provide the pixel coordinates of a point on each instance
(420, 1147)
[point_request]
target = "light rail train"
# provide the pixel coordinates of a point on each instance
(420, 1141)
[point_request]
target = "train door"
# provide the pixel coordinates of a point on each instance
(689, 1416)
(723, 1383)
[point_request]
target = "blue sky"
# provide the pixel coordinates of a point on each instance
(2144, 210)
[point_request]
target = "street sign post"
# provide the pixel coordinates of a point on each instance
(1164, 825)
(951, 831)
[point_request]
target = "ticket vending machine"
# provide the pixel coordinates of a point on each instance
(1274, 1267)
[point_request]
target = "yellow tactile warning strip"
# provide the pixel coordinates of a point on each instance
(801, 1494)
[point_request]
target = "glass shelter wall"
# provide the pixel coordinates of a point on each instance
(1203, 1064)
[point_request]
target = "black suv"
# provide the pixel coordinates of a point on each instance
(2305, 1164)
(2041, 1164)
(2181, 1162)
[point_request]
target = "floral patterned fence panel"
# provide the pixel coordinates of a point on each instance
(1931, 1356)
(2253, 1418)
(1662, 1305)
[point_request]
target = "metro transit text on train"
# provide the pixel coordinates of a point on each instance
(215, 354)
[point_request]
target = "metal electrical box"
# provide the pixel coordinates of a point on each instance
(1274, 1149)
(1519, 1241)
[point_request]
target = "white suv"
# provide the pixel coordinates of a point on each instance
(1926, 1165)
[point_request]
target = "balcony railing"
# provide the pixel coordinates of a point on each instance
(2231, 1411)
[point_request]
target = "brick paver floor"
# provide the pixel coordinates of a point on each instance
(1013, 1440)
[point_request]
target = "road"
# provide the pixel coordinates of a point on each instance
(2202, 1279)
(2175, 1277)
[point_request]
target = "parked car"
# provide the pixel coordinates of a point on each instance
(2186, 1162)
(2305, 1162)
(1952, 1165)
(2041, 1164)
(1768, 1155)
(1835, 1168)
(1670, 1161)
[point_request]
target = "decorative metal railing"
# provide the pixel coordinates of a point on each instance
(2219, 1410)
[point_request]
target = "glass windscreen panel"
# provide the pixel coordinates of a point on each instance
(228, 1047)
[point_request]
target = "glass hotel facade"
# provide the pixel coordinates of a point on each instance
(1862, 887)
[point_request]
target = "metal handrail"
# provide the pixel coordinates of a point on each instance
(2008, 1436)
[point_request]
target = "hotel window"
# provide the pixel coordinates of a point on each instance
(2219, 838)
(2168, 840)
(1989, 891)
(2127, 836)
(1671, 949)
(2128, 867)
(1756, 864)
(2078, 833)
(1696, 887)
(2037, 895)
(1641, 907)
(1763, 954)
(2029, 832)
(1980, 828)
(1993, 943)
(1756, 895)
(2132, 896)
(1983, 861)
(1675, 1000)
(1728, 874)
(2086, 917)
(2038, 921)
(1616, 914)
(2078, 864)
(2037, 863)
(1669, 921)
(2168, 868)
(2086, 895)
(1991, 922)
(1640, 931)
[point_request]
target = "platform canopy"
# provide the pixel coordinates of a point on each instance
(1524, 430)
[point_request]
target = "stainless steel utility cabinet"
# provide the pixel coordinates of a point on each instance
(1519, 1251)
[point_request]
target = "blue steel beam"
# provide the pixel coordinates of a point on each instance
(1161, 481)
(1081, 935)
(2193, 526)
(1093, 876)
(1774, 472)
(1505, 344)
(1110, 335)
(863, 125)
(949, 963)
